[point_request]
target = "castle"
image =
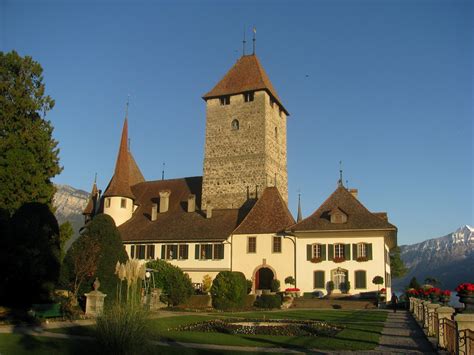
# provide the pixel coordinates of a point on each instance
(235, 217)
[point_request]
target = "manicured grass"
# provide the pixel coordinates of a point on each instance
(361, 331)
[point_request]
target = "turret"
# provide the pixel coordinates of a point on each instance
(118, 198)
(93, 204)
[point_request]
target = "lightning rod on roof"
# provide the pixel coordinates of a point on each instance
(254, 38)
(340, 174)
(163, 172)
(243, 44)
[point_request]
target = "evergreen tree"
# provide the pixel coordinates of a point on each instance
(65, 233)
(397, 267)
(414, 283)
(28, 153)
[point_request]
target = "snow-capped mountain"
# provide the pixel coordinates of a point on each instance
(449, 259)
(69, 203)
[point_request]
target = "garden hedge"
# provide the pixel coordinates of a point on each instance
(229, 290)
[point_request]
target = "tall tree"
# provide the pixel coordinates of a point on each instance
(29, 156)
(397, 267)
(65, 233)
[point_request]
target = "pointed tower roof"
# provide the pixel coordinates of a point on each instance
(91, 203)
(358, 217)
(269, 215)
(247, 74)
(300, 215)
(126, 172)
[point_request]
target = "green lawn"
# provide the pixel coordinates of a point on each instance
(361, 330)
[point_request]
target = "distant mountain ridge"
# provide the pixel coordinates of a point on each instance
(69, 203)
(449, 259)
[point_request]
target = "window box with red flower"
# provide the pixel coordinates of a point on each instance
(339, 259)
(316, 260)
(362, 259)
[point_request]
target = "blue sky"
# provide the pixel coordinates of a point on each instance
(385, 86)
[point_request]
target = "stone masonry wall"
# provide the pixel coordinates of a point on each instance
(247, 157)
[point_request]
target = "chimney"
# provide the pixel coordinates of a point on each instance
(209, 210)
(154, 211)
(354, 192)
(164, 200)
(191, 203)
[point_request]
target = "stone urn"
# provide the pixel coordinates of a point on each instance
(444, 300)
(468, 300)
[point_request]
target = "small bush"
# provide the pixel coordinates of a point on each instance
(275, 285)
(249, 286)
(268, 301)
(176, 285)
(290, 280)
(122, 329)
(229, 290)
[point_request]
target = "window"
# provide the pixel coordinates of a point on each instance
(319, 279)
(276, 133)
(388, 280)
(132, 251)
(339, 251)
(107, 202)
(140, 252)
(248, 96)
(316, 251)
(252, 245)
(272, 102)
(235, 125)
(360, 279)
(171, 252)
(224, 100)
(183, 251)
(150, 251)
(209, 251)
(277, 244)
(361, 250)
(123, 203)
(280, 112)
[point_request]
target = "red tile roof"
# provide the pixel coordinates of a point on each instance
(269, 215)
(358, 217)
(247, 74)
(126, 172)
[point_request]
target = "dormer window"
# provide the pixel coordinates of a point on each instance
(338, 216)
(224, 100)
(248, 96)
(235, 125)
(123, 203)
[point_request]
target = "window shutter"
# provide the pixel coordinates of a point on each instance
(163, 251)
(330, 251)
(360, 279)
(347, 251)
(186, 251)
(221, 251)
(308, 251)
(196, 252)
(354, 252)
(369, 251)
(132, 252)
(319, 279)
(323, 251)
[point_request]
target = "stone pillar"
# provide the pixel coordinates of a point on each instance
(464, 321)
(443, 313)
(431, 308)
(412, 304)
(94, 303)
(416, 301)
(423, 312)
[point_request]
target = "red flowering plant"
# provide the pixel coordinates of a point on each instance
(465, 288)
(434, 293)
(339, 259)
(316, 260)
(413, 293)
(383, 291)
(292, 289)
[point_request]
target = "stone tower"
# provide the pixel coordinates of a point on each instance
(245, 149)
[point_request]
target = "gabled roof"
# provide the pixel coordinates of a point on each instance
(269, 215)
(247, 74)
(358, 217)
(177, 225)
(91, 203)
(126, 172)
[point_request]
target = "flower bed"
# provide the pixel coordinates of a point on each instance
(283, 327)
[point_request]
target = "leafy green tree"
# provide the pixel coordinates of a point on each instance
(414, 283)
(29, 156)
(397, 267)
(65, 233)
(377, 280)
(228, 290)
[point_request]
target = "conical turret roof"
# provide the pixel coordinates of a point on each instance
(247, 74)
(126, 172)
(91, 204)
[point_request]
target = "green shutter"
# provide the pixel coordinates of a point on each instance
(186, 251)
(163, 251)
(361, 279)
(319, 279)
(330, 251)
(347, 251)
(196, 252)
(354, 252)
(132, 252)
(369, 251)
(323, 251)
(308, 251)
(221, 251)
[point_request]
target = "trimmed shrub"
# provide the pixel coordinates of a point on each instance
(176, 285)
(249, 286)
(268, 301)
(229, 290)
(275, 285)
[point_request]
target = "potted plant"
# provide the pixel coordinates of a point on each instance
(466, 295)
(290, 280)
(445, 297)
(330, 286)
(434, 293)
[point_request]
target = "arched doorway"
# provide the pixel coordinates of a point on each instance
(263, 278)
(339, 277)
